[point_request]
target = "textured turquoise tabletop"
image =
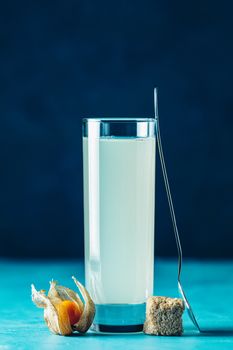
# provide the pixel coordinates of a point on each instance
(209, 286)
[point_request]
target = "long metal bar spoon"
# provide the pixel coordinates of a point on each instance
(173, 217)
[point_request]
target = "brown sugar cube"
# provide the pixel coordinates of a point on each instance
(164, 316)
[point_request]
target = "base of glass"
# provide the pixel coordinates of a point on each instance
(101, 328)
(119, 318)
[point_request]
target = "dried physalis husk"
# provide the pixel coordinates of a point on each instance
(64, 311)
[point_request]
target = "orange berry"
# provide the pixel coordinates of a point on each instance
(72, 309)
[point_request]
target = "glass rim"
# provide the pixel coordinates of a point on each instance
(119, 119)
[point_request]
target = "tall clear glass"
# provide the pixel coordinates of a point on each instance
(119, 201)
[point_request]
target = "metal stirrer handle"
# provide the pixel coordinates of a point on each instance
(173, 217)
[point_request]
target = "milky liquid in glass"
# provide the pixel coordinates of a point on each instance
(119, 180)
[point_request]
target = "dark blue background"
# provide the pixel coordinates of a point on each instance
(61, 60)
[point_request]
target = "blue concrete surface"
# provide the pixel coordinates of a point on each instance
(209, 286)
